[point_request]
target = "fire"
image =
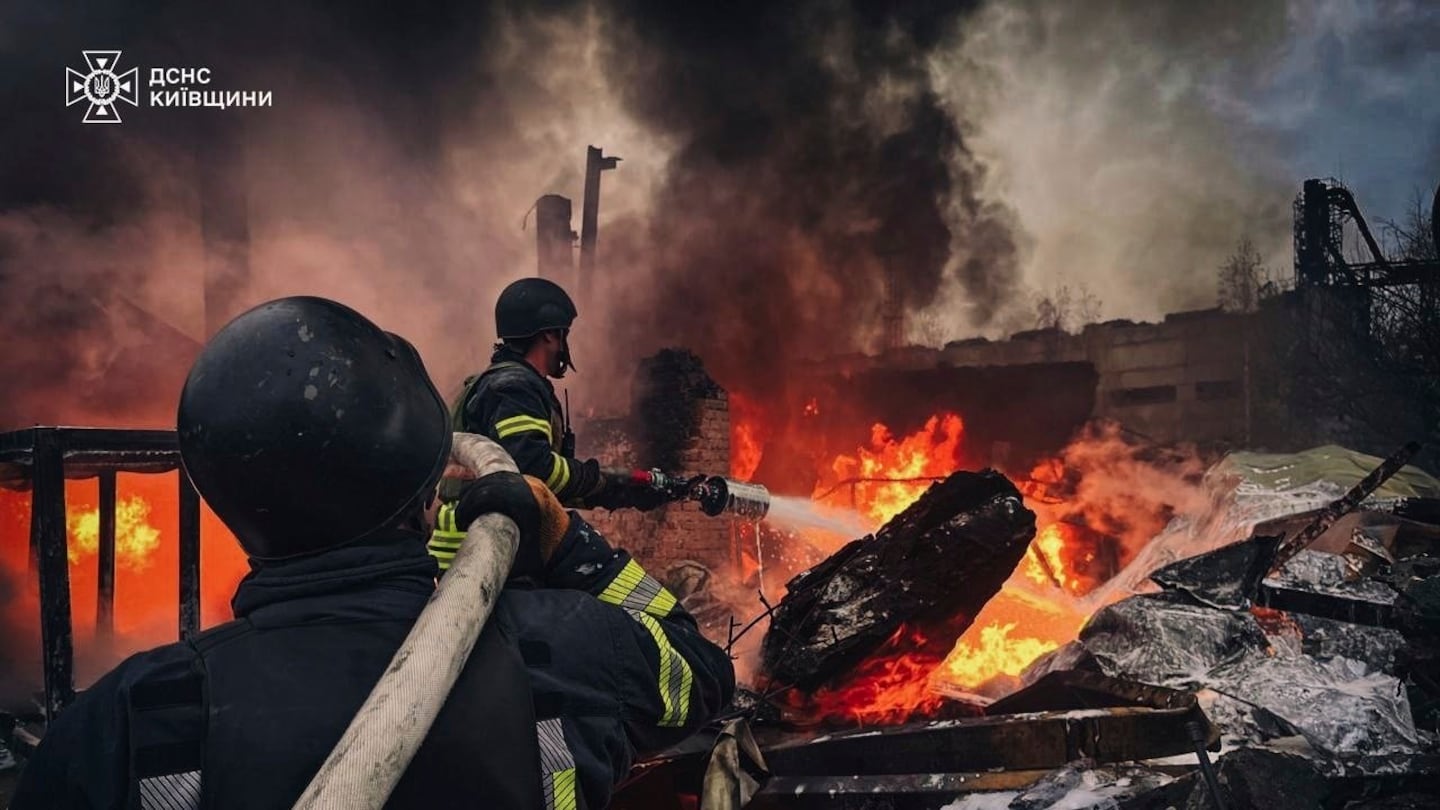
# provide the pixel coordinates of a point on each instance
(888, 688)
(1046, 561)
(1033, 614)
(147, 568)
(996, 655)
(135, 539)
(746, 439)
(891, 473)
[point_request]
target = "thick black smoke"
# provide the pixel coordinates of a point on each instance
(817, 185)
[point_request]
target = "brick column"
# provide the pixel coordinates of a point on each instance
(679, 422)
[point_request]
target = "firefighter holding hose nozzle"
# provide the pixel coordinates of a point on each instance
(318, 439)
(514, 403)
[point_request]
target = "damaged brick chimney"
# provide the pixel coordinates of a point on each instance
(679, 422)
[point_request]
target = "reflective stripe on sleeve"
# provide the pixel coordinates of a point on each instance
(676, 677)
(523, 424)
(559, 473)
(446, 539)
(633, 589)
(557, 766)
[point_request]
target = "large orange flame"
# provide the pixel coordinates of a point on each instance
(887, 688)
(1033, 614)
(135, 539)
(880, 480)
(146, 584)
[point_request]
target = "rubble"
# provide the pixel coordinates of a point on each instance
(1225, 578)
(1341, 707)
(1315, 683)
(1255, 777)
(945, 556)
(1167, 640)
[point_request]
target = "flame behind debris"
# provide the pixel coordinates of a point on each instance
(146, 577)
(135, 538)
(1100, 494)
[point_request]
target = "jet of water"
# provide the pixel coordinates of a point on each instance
(802, 513)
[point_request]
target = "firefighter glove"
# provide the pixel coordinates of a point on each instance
(527, 501)
(622, 491)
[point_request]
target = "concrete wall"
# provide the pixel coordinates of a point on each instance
(1182, 379)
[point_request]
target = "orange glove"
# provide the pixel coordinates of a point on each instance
(527, 501)
(554, 520)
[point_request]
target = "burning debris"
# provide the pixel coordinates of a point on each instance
(944, 556)
(1314, 677)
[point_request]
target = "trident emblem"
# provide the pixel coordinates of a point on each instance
(102, 87)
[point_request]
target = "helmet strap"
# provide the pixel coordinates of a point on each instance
(566, 364)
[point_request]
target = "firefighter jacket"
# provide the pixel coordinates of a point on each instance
(242, 715)
(516, 406)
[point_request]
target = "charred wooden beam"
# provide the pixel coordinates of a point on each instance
(47, 537)
(105, 580)
(943, 557)
(1011, 742)
(189, 557)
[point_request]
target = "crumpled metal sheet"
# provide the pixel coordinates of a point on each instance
(1339, 705)
(1329, 575)
(1168, 641)
(1224, 578)
(1379, 648)
(1081, 785)
(1069, 656)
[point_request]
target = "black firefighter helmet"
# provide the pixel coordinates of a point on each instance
(305, 427)
(533, 305)
(530, 306)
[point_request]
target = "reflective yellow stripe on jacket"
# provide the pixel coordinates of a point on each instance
(633, 589)
(676, 678)
(523, 424)
(559, 473)
(445, 540)
(557, 766)
(645, 599)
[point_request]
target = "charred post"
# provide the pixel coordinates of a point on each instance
(105, 578)
(595, 163)
(554, 240)
(47, 536)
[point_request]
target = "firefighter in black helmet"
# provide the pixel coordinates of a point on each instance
(514, 403)
(318, 439)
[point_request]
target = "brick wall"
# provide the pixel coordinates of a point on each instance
(679, 422)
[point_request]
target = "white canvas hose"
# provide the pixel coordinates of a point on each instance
(383, 737)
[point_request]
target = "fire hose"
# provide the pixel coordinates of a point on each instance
(373, 753)
(375, 750)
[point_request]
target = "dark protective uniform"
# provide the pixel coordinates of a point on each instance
(243, 715)
(516, 406)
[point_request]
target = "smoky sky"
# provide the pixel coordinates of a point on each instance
(799, 180)
(812, 181)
